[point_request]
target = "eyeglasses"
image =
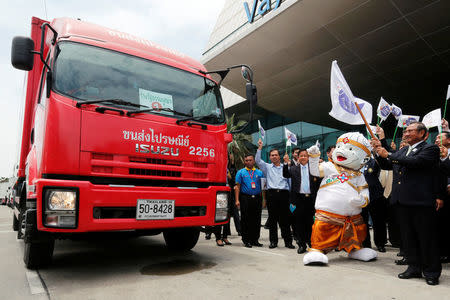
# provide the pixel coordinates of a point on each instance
(409, 130)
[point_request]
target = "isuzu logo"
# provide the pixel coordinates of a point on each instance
(143, 148)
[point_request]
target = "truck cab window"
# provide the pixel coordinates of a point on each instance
(86, 72)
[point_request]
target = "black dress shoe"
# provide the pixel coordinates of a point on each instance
(301, 250)
(257, 244)
(290, 246)
(208, 236)
(247, 245)
(272, 245)
(408, 274)
(401, 262)
(432, 280)
(381, 249)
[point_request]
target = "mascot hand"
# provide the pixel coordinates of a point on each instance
(313, 150)
(357, 201)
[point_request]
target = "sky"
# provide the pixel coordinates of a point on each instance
(182, 25)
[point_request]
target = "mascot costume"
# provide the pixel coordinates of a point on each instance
(342, 194)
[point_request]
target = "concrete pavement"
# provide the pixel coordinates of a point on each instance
(142, 268)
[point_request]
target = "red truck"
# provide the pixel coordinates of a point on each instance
(119, 134)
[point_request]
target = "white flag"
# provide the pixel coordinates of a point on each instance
(343, 100)
(290, 137)
(262, 132)
(405, 120)
(383, 110)
(396, 111)
(448, 92)
(432, 118)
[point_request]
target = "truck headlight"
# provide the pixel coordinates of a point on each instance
(221, 206)
(60, 207)
(61, 200)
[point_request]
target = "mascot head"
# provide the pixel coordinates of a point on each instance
(352, 150)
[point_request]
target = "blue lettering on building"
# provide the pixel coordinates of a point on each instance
(264, 7)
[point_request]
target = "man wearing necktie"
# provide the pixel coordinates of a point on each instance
(415, 189)
(303, 194)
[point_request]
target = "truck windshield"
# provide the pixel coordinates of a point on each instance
(90, 73)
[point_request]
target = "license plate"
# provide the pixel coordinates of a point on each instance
(155, 209)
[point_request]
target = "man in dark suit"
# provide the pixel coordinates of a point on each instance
(302, 195)
(416, 191)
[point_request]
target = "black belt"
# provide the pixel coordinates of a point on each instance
(277, 190)
(251, 196)
(305, 195)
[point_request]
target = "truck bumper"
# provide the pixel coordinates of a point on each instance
(113, 208)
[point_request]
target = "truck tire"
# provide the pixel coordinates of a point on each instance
(15, 224)
(37, 255)
(181, 239)
(21, 225)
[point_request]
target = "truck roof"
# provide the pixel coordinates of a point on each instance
(68, 27)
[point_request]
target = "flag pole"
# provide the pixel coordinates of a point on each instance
(445, 108)
(395, 132)
(365, 121)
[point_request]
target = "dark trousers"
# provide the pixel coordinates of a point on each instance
(236, 217)
(251, 207)
(394, 226)
(278, 209)
(378, 211)
(304, 218)
(418, 227)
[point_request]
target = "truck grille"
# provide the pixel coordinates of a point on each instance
(147, 167)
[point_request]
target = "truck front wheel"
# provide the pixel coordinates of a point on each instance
(38, 254)
(181, 239)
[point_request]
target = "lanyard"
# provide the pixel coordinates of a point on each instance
(251, 175)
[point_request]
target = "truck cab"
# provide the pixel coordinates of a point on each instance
(120, 134)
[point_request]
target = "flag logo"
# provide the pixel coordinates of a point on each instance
(346, 104)
(385, 111)
(261, 131)
(292, 138)
(407, 122)
(397, 112)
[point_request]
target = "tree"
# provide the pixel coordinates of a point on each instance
(238, 147)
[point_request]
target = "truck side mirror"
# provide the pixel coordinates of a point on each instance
(22, 56)
(252, 97)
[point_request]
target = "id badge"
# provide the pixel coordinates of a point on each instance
(253, 185)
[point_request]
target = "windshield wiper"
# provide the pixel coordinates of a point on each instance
(210, 117)
(132, 112)
(114, 101)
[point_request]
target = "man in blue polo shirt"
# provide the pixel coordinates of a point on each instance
(249, 200)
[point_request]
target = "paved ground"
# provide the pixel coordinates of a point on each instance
(142, 268)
